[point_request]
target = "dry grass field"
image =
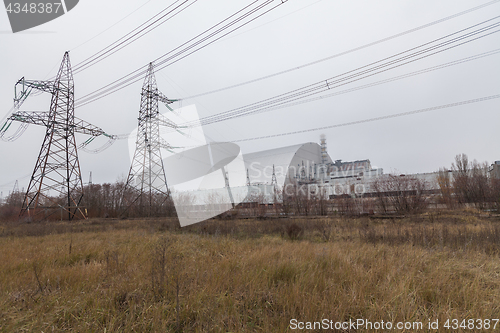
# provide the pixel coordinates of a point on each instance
(109, 275)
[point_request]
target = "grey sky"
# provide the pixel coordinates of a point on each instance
(295, 33)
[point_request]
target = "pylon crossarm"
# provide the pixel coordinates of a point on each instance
(45, 86)
(43, 119)
(83, 127)
(164, 121)
(32, 117)
(164, 99)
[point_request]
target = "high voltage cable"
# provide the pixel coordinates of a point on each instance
(345, 52)
(96, 56)
(138, 76)
(99, 34)
(125, 41)
(13, 181)
(20, 131)
(274, 20)
(422, 71)
(430, 69)
(402, 114)
(157, 65)
(184, 48)
(327, 84)
(166, 62)
(4, 127)
(296, 100)
(324, 84)
(7, 115)
(427, 70)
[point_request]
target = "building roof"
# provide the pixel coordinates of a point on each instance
(260, 164)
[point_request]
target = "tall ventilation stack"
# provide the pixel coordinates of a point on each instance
(324, 153)
(323, 169)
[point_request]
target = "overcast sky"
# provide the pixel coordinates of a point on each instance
(296, 33)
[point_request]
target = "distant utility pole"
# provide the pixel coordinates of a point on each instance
(57, 169)
(248, 179)
(16, 187)
(147, 174)
(274, 182)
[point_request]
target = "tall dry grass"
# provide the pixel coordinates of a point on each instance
(244, 276)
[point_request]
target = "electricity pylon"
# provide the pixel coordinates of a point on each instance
(56, 182)
(147, 173)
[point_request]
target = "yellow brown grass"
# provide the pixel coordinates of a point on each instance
(221, 277)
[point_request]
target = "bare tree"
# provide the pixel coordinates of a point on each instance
(404, 194)
(382, 200)
(461, 179)
(495, 193)
(446, 187)
(471, 182)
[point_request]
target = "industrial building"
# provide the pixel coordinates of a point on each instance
(495, 170)
(308, 166)
(303, 162)
(273, 170)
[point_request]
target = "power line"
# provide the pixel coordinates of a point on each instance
(326, 85)
(373, 84)
(102, 32)
(9, 184)
(427, 70)
(195, 44)
(345, 52)
(342, 79)
(7, 115)
(125, 41)
(276, 19)
(402, 114)
(137, 76)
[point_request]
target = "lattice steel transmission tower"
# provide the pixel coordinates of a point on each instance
(56, 182)
(147, 174)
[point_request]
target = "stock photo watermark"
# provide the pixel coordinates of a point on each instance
(27, 14)
(381, 325)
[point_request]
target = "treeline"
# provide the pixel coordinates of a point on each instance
(466, 183)
(101, 200)
(470, 184)
(114, 200)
